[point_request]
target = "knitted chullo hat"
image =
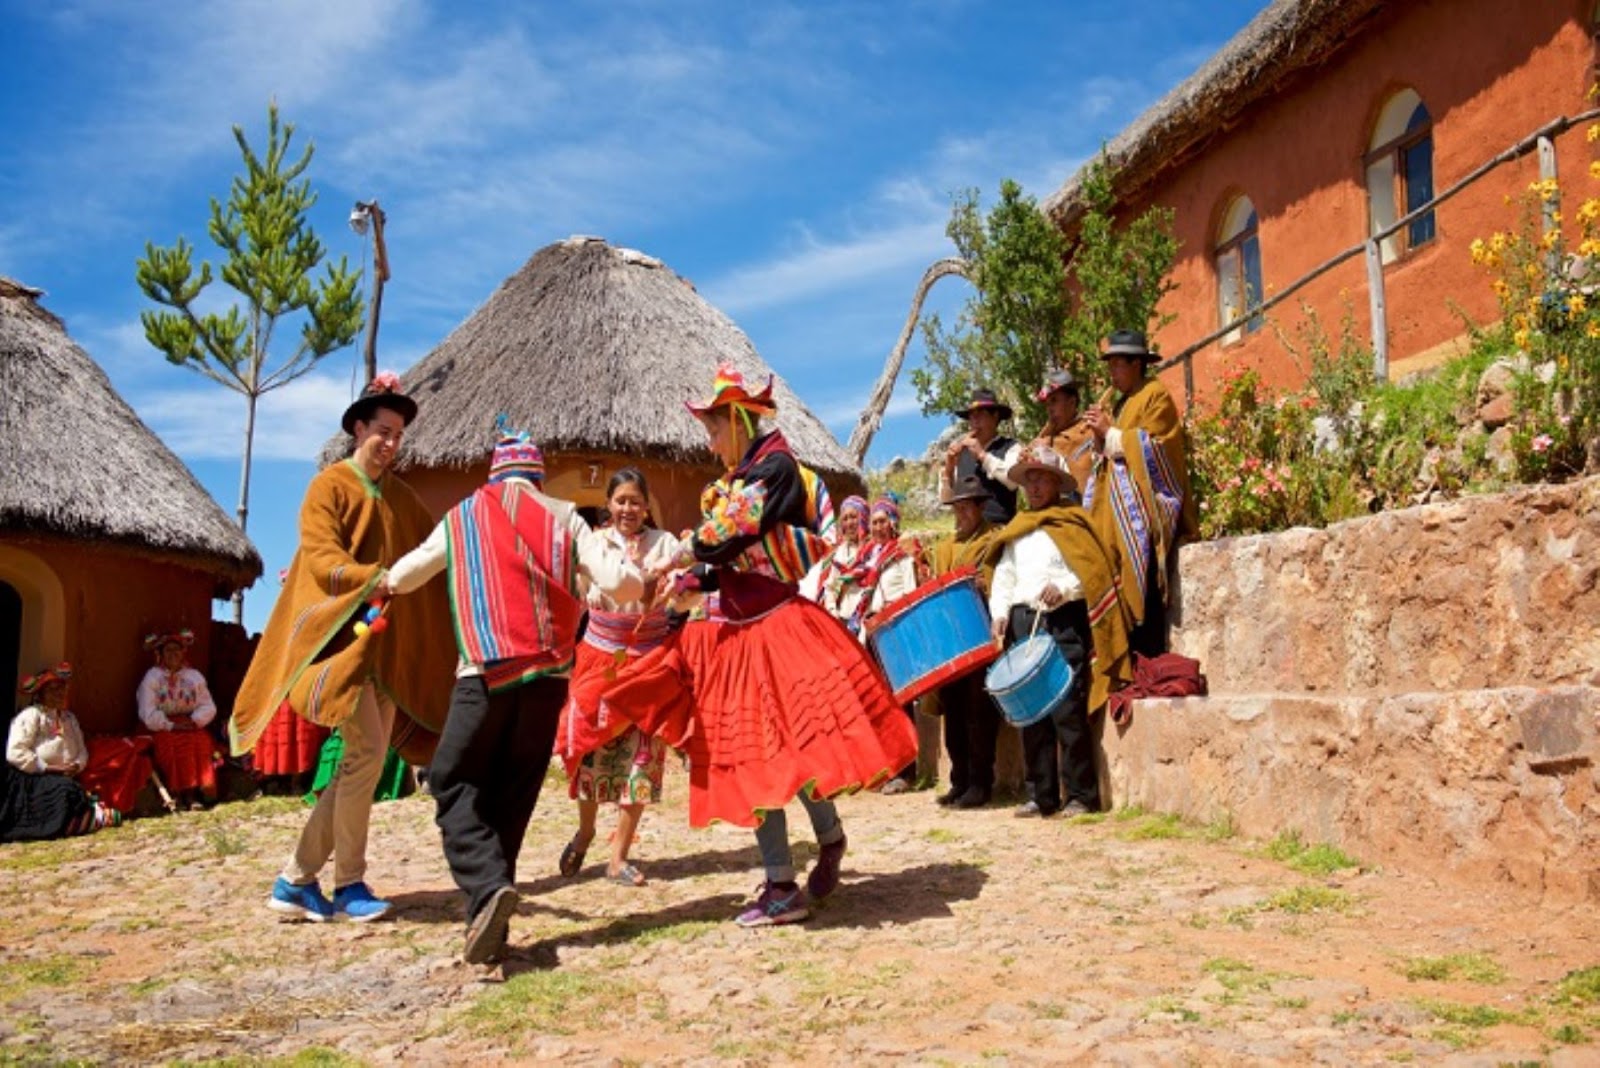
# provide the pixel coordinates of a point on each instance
(515, 456)
(887, 506)
(855, 504)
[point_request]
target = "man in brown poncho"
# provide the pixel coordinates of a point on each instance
(1139, 494)
(1052, 572)
(971, 722)
(319, 658)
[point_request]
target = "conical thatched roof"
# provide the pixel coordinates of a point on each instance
(591, 347)
(75, 461)
(1288, 39)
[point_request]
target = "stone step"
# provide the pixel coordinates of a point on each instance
(1492, 786)
(1485, 591)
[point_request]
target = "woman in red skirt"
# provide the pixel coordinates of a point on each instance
(175, 706)
(767, 694)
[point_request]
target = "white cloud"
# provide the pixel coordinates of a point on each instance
(203, 421)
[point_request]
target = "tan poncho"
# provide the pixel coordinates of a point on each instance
(1095, 564)
(351, 529)
(1140, 502)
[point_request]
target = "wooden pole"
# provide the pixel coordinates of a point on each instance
(380, 275)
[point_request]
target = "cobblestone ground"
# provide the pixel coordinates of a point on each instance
(957, 938)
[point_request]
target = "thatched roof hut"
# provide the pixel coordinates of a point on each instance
(592, 349)
(80, 464)
(1290, 38)
(104, 533)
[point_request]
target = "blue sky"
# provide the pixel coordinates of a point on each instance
(796, 161)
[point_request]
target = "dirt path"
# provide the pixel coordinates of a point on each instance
(957, 938)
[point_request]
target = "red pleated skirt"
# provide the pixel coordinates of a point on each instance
(766, 707)
(185, 760)
(118, 768)
(291, 745)
(587, 722)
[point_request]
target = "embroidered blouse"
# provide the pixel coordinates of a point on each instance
(163, 694)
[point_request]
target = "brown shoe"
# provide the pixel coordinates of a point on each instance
(486, 934)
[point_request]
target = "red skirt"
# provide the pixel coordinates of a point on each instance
(184, 759)
(766, 707)
(587, 722)
(291, 745)
(118, 768)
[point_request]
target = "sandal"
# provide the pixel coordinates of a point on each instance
(627, 875)
(572, 857)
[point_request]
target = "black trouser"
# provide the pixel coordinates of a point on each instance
(485, 777)
(1149, 638)
(1068, 725)
(971, 729)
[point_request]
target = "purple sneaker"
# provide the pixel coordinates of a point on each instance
(777, 904)
(824, 877)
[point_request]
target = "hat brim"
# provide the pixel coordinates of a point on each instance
(1144, 354)
(363, 407)
(1022, 467)
(995, 406)
(760, 403)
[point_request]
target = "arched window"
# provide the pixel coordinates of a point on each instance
(1238, 261)
(1400, 173)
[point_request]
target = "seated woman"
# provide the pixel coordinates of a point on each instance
(45, 752)
(175, 706)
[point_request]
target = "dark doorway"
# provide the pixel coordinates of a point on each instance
(10, 638)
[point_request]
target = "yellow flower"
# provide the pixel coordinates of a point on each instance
(1594, 169)
(1576, 305)
(1589, 211)
(1477, 249)
(1548, 241)
(1589, 247)
(1545, 188)
(1500, 288)
(1520, 339)
(1593, 133)
(1592, 329)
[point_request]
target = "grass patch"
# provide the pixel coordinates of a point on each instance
(1154, 828)
(315, 1057)
(1220, 829)
(1307, 899)
(1171, 1006)
(1581, 987)
(1320, 859)
(1569, 1034)
(941, 835)
(226, 841)
(1468, 967)
(546, 1002)
(1476, 1017)
(684, 931)
(17, 977)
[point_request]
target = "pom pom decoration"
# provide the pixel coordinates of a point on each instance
(372, 619)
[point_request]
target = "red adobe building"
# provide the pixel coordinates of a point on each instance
(1324, 122)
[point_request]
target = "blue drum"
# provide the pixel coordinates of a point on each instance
(1029, 680)
(933, 635)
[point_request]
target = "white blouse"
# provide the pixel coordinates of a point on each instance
(163, 694)
(651, 550)
(41, 737)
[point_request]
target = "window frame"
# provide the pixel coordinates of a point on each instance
(1393, 151)
(1251, 295)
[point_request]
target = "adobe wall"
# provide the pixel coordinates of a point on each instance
(1489, 72)
(112, 598)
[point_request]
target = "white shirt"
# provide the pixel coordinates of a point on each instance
(599, 562)
(995, 467)
(895, 581)
(162, 693)
(833, 595)
(1026, 567)
(41, 737)
(657, 550)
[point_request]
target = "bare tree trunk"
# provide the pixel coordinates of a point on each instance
(872, 415)
(244, 490)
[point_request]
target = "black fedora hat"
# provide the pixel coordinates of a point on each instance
(382, 392)
(1128, 343)
(965, 488)
(985, 398)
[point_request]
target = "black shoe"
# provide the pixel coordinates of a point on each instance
(975, 797)
(950, 796)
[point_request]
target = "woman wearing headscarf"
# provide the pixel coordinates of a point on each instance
(41, 796)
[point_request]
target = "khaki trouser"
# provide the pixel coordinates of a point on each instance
(338, 823)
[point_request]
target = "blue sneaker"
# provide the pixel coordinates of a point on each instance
(359, 903)
(300, 902)
(777, 904)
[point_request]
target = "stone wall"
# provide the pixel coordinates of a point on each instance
(1485, 591)
(1420, 688)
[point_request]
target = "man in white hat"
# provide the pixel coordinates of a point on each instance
(1051, 572)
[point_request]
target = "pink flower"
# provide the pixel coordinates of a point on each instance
(1542, 442)
(387, 381)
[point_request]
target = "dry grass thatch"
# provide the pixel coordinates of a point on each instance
(77, 462)
(590, 347)
(1289, 37)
